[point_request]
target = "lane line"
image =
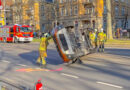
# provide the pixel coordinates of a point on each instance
(38, 68)
(22, 65)
(69, 75)
(108, 84)
(5, 61)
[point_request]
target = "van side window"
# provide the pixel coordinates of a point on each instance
(17, 29)
(11, 30)
(63, 41)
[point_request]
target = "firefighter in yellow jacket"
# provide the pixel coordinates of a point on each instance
(102, 40)
(43, 49)
(92, 36)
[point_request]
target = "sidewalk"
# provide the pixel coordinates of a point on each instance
(120, 43)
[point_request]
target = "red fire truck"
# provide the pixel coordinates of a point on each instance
(16, 33)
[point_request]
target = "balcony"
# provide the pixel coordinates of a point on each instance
(89, 3)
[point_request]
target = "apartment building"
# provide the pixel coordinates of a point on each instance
(6, 12)
(47, 15)
(88, 13)
(120, 14)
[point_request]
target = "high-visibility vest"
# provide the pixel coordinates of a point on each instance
(101, 36)
(44, 43)
(93, 36)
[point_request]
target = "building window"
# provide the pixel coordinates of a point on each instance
(42, 9)
(65, 0)
(75, 10)
(122, 24)
(105, 10)
(71, 10)
(70, 0)
(122, 0)
(93, 11)
(116, 10)
(43, 27)
(62, 11)
(127, 2)
(75, 0)
(89, 11)
(61, 1)
(123, 11)
(66, 12)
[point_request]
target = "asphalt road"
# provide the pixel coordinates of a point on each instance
(99, 71)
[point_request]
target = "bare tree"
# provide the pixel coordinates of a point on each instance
(109, 20)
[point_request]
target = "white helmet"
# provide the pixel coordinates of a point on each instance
(95, 30)
(46, 35)
(101, 30)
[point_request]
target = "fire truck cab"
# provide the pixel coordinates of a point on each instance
(16, 33)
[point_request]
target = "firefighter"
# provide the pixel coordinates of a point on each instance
(92, 36)
(102, 40)
(43, 49)
(96, 42)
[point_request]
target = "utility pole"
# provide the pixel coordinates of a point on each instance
(109, 20)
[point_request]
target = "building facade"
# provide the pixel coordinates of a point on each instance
(17, 11)
(6, 12)
(120, 14)
(88, 13)
(92, 13)
(26, 12)
(47, 15)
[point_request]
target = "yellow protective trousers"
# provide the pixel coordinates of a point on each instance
(42, 56)
(101, 46)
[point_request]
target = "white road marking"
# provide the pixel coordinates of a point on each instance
(22, 65)
(69, 75)
(108, 84)
(38, 68)
(5, 61)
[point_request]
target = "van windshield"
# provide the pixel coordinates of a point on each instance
(25, 29)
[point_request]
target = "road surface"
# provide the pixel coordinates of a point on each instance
(99, 71)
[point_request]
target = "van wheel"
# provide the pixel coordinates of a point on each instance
(15, 40)
(4, 40)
